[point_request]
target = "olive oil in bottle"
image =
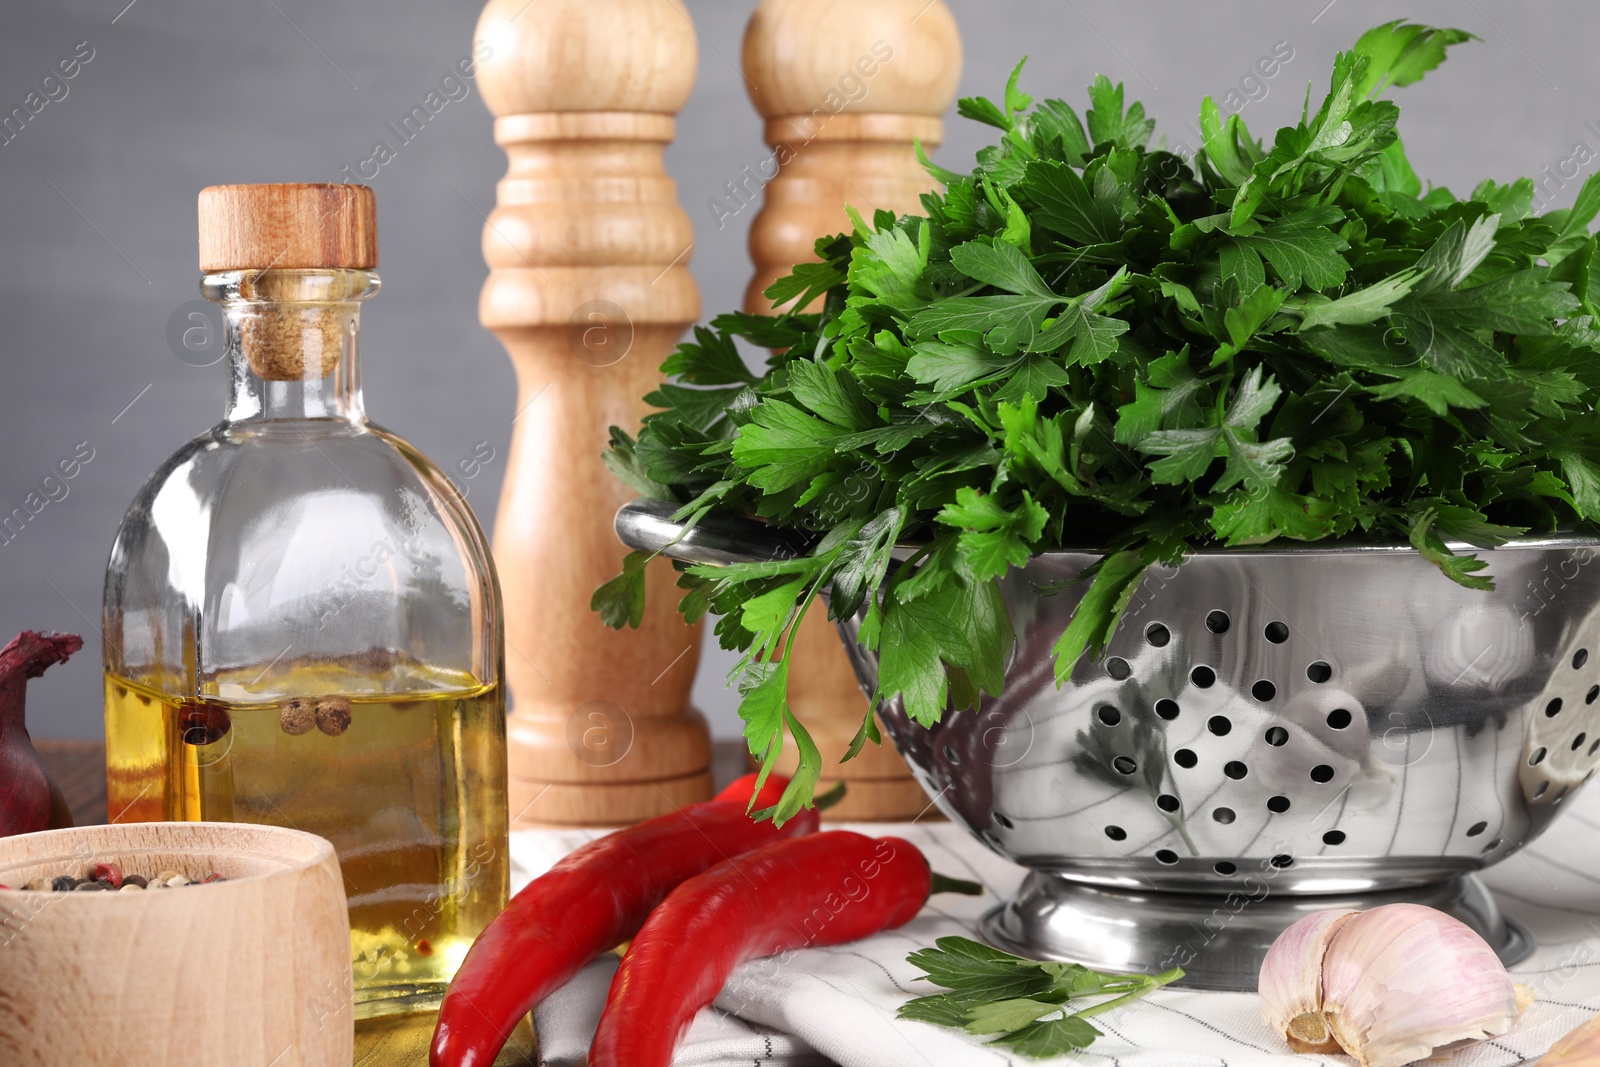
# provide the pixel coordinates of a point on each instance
(301, 614)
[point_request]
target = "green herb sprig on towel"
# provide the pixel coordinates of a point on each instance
(1089, 342)
(1034, 1008)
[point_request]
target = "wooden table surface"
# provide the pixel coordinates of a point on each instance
(79, 768)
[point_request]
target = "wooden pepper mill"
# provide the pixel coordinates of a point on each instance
(846, 87)
(588, 290)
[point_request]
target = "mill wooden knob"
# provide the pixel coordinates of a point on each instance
(907, 54)
(588, 289)
(847, 89)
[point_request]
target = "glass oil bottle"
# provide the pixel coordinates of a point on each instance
(301, 616)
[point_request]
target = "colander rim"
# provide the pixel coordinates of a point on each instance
(723, 537)
(1340, 547)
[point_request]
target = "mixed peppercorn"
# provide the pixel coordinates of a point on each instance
(331, 715)
(109, 876)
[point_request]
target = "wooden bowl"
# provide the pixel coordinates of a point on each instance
(254, 970)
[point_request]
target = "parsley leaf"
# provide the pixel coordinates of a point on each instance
(621, 600)
(1303, 249)
(993, 539)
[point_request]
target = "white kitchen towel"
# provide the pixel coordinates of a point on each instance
(837, 1004)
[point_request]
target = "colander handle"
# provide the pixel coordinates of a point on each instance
(718, 538)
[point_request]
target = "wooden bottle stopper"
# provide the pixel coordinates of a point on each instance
(846, 88)
(588, 290)
(309, 226)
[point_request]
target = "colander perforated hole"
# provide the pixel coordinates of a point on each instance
(1224, 868)
(1537, 757)
(1002, 820)
(1339, 718)
(1277, 632)
(1124, 764)
(1217, 622)
(1277, 736)
(1185, 758)
(1278, 804)
(1319, 672)
(951, 754)
(1219, 725)
(1167, 802)
(1544, 787)
(1118, 668)
(1577, 742)
(1166, 855)
(1263, 690)
(1281, 861)
(1167, 709)
(1594, 746)
(1203, 677)
(1116, 833)
(1477, 828)
(1552, 709)
(1235, 770)
(1492, 845)
(1592, 695)
(1157, 634)
(1579, 658)
(1333, 837)
(1559, 797)
(1322, 773)
(1223, 815)
(1109, 715)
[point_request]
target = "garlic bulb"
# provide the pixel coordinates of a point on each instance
(1387, 986)
(1581, 1046)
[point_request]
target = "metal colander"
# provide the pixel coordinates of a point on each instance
(1293, 727)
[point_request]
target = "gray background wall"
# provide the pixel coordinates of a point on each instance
(97, 205)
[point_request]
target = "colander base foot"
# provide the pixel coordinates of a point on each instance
(1219, 940)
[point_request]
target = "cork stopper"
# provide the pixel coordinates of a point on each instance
(288, 331)
(285, 227)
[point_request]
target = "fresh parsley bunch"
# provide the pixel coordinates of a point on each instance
(1093, 343)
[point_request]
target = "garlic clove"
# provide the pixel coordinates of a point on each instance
(1580, 1047)
(1291, 981)
(1402, 980)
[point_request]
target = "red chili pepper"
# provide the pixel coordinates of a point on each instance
(593, 900)
(740, 789)
(824, 889)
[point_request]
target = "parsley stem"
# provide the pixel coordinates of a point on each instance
(910, 560)
(1145, 985)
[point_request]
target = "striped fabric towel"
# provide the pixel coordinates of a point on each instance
(837, 1004)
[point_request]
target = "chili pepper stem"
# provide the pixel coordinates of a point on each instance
(945, 884)
(824, 801)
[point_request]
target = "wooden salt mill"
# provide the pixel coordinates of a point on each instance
(588, 290)
(845, 86)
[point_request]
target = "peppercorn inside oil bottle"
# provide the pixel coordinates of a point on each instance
(301, 616)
